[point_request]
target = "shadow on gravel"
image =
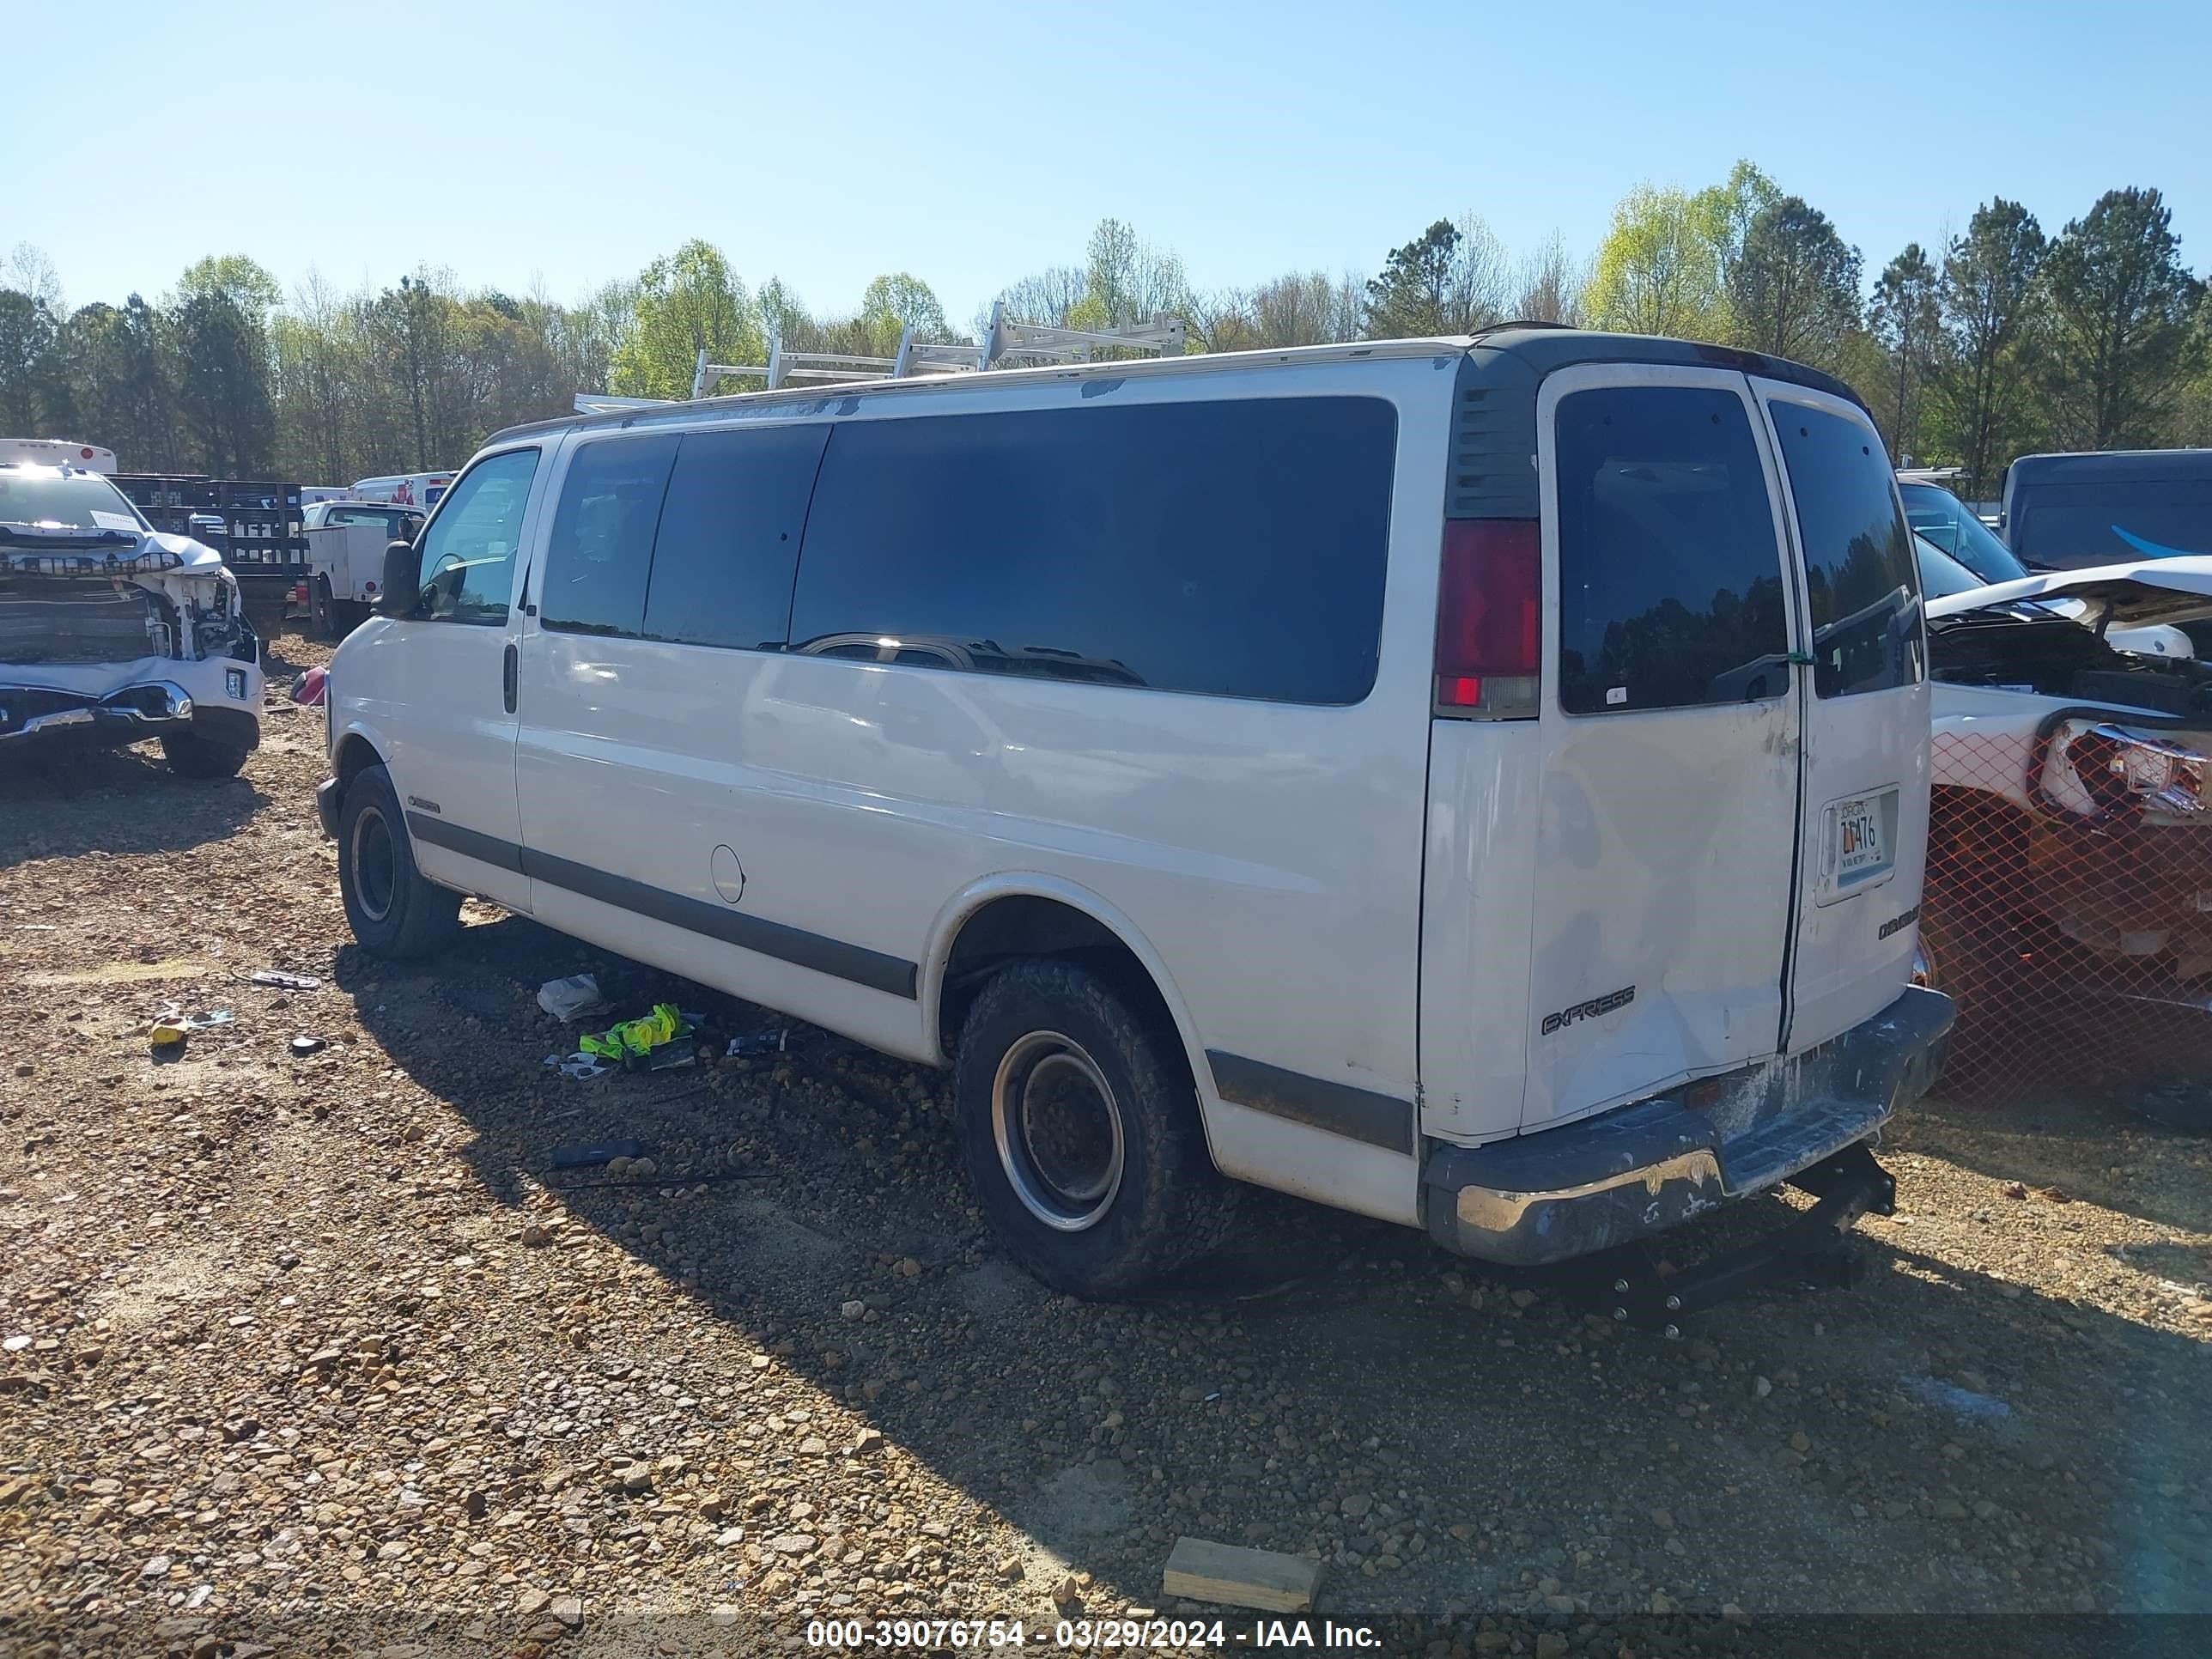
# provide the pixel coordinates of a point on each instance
(55, 805)
(2087, 1147)
(1936, 1440)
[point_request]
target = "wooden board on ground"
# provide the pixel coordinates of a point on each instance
(1200, 1571)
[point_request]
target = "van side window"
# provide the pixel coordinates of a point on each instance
(1670, 580)
(468, 552)
(1861, 591)
(1233, 547)
(729, 536)
(601, 547)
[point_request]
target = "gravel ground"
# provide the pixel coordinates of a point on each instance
(320, 1354)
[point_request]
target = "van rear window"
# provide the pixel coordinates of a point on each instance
(1861, 586)
(2115, 522)
(1233, 548)
(1670, 580)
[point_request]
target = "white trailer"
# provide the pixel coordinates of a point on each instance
(57, 452)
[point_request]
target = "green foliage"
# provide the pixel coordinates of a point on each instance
(688, 302)
(1658, 271)
(2120, 305)
(1906, 318)
(1998, 343)
(1792, 285)
(1983, 389)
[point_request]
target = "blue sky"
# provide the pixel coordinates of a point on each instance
(561, 143)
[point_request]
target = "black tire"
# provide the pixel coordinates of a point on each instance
(348, 613)
(394, 913)
(1112, 1146)
(191, 755)
(321, 622)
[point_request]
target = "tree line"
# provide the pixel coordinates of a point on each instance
(2002, 339)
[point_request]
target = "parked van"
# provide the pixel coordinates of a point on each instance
(2109, 507)
(1330, 769)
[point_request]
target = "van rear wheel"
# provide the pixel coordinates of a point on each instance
(1078, 1128)
(393, 911)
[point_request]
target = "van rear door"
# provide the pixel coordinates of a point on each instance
(1863, 711)
(1670, 791)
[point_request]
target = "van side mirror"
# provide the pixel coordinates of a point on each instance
(403, 580)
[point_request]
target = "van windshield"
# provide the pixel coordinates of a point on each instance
(2066, 525)
(1944, 520)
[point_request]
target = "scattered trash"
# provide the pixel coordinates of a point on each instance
(309, 689)
(285, 981)
(578, 1065)
(2180, 1102)
(634, 1040)
(173, 1027)
(1202, 1570)
(571, 997)
(173, 1014)
(304, 1045)
(586, 1157)
(756, 1043)
(1211, 1398)
(1932, 1391)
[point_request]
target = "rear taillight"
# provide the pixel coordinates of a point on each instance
(1488, 649)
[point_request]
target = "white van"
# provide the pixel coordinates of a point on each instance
(1330, 769)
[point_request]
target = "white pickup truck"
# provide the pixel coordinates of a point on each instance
(346, 541)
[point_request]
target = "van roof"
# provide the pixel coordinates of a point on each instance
(1534, 349)
(2103, 465)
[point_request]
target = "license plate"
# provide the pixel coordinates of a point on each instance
(1858, 843)
(1859, 837)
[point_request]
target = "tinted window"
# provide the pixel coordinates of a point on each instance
(1233, 548)
(468, 552)
(1860, 585)
(729, 536)
(601, 548)
(2119, 523)
(1670, 582)
(1946, 520)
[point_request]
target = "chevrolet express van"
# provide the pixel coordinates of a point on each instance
(1480, 784)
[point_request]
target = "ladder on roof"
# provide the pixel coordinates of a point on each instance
(1009, 343)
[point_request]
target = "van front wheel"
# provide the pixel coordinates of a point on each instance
(393, 911)
(1079, 1129)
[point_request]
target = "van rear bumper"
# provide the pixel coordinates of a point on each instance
(1640, 1169)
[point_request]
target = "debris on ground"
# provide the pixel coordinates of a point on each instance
(571, 997)
(1199, 1570)
(172, 1027)
(283, 981)
(635, 1040)
(586, 1158)
(579, 1064)
(754, 1044)
(304, 1045)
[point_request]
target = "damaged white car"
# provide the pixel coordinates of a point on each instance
(2069, 847)
(112, 632)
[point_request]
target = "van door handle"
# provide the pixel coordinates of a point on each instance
(509, 675)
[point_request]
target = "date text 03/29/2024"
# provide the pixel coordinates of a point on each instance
(1085, 1635)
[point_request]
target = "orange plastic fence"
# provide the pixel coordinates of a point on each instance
(2066, 915)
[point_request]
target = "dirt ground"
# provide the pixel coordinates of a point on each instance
(321, 1353)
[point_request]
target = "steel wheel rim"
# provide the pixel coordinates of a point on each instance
(375, 864)
(1059, 1131)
